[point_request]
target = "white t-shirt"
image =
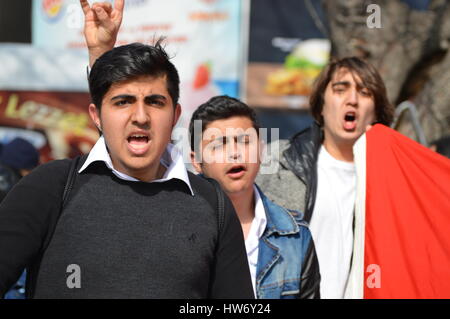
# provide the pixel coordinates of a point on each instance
(332, 222)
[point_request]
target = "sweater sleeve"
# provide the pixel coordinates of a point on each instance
(231, 274)
(25, 214)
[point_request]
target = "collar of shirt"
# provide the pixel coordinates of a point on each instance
(172, 159)
(256, 231)
(258, 224)
(326, 158)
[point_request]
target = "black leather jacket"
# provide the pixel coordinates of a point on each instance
(301, 157)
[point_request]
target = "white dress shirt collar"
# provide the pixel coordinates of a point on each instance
(172, 159)
(260, 220)
(256, 231)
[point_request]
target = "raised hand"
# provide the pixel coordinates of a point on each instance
(101, 26)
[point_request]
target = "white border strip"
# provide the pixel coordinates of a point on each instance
(355, 283)
(245, 43)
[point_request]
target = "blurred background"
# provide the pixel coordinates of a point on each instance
(266, 52)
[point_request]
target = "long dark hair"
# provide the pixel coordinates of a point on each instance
(371, 79)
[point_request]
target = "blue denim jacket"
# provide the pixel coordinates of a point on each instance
(18, 290)
(287, 264)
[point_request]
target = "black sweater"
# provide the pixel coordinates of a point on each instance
(129, 239)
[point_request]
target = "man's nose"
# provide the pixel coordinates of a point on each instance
(352, 97)
(234, 151)
(140, 114)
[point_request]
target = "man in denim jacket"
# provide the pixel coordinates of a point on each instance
(226, 146)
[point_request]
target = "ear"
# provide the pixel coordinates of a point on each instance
(197, 165)
(177, 114)
(95, 116)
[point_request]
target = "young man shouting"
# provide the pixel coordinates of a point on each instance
(316, 173)
(135, 224)
(226, 146)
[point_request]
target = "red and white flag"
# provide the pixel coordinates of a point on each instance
(402, 219)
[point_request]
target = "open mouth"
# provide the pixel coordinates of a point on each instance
(137, 139)
(350, 120)
(236, 171)
(350, 116)
(138, 143)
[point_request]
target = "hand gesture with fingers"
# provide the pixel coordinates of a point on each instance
(101, 26)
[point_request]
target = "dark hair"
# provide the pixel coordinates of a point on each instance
(130, 61)
(219, 108)
(371, 79)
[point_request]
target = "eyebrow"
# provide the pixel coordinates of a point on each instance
(345, 83)
(129, 96)
(221, 138)
(224, 138)
(156, 97)
(123, 96)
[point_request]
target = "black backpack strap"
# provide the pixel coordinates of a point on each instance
(70, 179)
(67, 188)
(220, 203)
(33, 270)
(201, 185)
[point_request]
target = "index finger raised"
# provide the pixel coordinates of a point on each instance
(85, 6)
(119, 4)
